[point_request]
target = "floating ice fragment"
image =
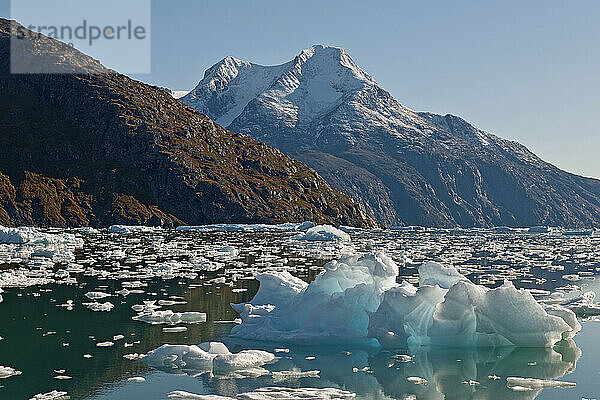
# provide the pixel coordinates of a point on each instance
(175, 329)
(417, 380)
(582, 305)
(535, 384)
(242, 360)
(170, 317)
(181, 395)
(134, 356)
(210, 356)
(96, 295)
(105, 344)
(136, 379)
(53, 395)
(287, 375)
(168, 303)
(7, 372)
(100, 307)
(272, 393)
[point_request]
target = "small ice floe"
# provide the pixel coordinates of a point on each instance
(522, 384)
(136, 379)
(174, 329)
(105, 344)
(68, 305)
(87, 356)
(571, 277)
(289, 375)
(97, 295)
(53, 395)
(134, 356)
(281, 350)
(171, 318)
(582, 305)
(417, 380)
(273, 393)
(168, 303)
(148, 307)
(63, 377)
(209, 356)
(7, 372)
(404, 358)
(118, 337)
(323, 233)
(99, 307)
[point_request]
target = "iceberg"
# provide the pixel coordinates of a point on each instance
(336, 305)
(28, 235)
(356, 299)
(323, 233)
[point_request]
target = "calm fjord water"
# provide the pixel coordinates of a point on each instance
(42, 338)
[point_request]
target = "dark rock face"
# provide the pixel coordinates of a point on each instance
(97, 148)
(403, 166)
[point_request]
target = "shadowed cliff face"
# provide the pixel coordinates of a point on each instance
(405, 167)
(97, 148)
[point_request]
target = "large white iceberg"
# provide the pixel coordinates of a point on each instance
(357, 297)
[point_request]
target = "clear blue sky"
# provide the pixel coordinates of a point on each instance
(524, 70)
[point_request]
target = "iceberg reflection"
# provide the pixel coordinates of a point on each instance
(459, 373)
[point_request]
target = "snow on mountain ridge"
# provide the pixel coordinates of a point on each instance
(403, 166)
(297, 91)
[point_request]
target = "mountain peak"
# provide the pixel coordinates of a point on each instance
(330, 57)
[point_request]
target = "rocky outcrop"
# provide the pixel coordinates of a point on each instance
(88, 146)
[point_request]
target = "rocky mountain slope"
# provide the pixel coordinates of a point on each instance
(89, 146)
(405, 167)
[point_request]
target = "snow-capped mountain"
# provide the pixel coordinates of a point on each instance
(405, 167)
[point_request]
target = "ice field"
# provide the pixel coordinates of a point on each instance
(298, 311)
